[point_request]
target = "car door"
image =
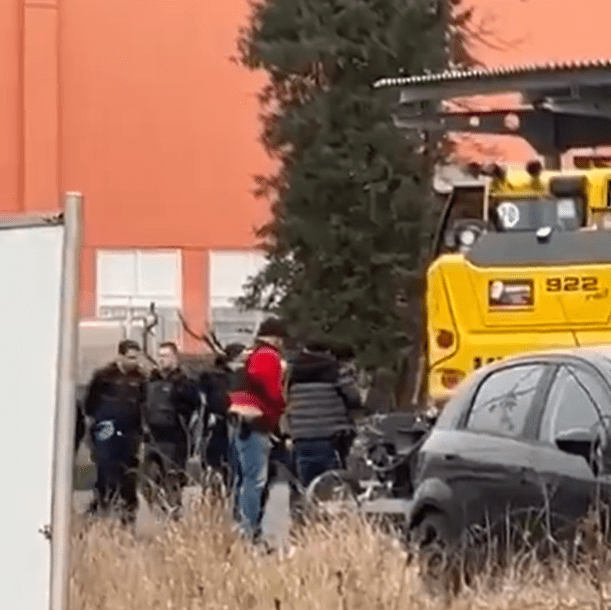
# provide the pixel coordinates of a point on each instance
(572, 418)
(487, 460)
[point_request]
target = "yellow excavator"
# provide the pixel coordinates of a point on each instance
(522, 262)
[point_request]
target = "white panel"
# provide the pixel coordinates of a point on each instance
(229, 271)
(136, 278)
(159, 275)
(116, 273)
(30, 276)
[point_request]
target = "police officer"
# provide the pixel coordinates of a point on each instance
(114, 402)
(172, 398)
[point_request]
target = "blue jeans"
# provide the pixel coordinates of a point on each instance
(313, 456)
(250, 450)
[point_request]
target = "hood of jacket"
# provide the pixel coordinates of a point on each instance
(311, 367)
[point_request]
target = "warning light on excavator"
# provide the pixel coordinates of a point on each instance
(534, 168)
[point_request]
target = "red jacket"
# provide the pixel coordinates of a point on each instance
(264, 384)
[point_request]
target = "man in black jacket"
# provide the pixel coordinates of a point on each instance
(320, 404)
(114, 402)
(215, 384)
(171, 399)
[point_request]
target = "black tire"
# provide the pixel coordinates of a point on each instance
(433, 528)
(438, 561)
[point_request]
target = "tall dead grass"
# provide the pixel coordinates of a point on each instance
(200, 563)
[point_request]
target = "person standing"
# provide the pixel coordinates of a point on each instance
(215, 385)
(114, 403)
(320, 403)
(254, 413)
(171, 400)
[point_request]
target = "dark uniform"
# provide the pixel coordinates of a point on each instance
(215, 385)
(114, 401)
(171, 400)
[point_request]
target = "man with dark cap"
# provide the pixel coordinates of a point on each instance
(171, 400)
(255, 410)
(114, 402)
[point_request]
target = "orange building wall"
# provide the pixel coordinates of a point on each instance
(137, 105)
(159, 131)
(10, 106)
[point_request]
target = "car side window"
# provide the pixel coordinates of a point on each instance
(504, 400)
(597, 389)
(571, 404)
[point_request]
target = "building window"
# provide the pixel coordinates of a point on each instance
(128, 281)
(228, 273)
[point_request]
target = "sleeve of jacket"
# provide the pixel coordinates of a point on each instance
(349, 392)
(265, 370)
(93, 394)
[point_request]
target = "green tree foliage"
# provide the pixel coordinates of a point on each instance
(346, 233)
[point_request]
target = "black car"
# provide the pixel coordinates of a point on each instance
(528, 435)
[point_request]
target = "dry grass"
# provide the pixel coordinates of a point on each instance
(200, 563)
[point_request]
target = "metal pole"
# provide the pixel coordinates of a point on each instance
(63, 454)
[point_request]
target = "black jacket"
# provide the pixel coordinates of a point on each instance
(215, 384)
(118, 396)
(170, 402)
(320, 398)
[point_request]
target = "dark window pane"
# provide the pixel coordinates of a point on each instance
(503, 401)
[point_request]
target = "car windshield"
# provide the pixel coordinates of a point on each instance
(565, 214)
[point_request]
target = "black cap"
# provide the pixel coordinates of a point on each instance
(272, 327)
(126, 345)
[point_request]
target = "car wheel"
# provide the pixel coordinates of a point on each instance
(437, 561)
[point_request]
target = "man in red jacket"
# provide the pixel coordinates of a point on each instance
(255, 410)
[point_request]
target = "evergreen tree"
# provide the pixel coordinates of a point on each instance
(346, 234)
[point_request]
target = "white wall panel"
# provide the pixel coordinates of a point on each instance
(30, 276)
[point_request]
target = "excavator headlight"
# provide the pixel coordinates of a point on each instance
(467, 238)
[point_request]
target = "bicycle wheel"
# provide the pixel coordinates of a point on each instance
(333, 492)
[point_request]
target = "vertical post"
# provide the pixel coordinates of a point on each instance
(63, 454)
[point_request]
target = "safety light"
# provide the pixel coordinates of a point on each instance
(534, 168)
(450, 378)
(445, 338)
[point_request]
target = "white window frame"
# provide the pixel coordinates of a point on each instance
(137, 300)
(228, 301)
